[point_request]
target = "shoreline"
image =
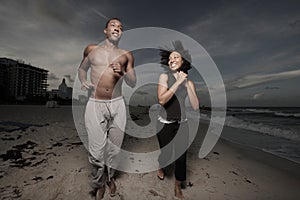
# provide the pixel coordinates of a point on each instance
(267, 158)
(229, 138)
(256, 154)
(68, 108)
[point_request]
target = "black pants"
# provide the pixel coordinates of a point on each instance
(172, 148)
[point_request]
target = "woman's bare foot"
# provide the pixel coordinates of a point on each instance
(178, 192)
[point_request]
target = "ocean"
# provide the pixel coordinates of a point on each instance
(270, 129)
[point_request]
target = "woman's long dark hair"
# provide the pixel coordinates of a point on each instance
(178, 47)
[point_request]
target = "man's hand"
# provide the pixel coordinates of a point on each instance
(117, 68)
(87, 85)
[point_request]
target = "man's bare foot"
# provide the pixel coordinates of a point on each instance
(100, 192)
(178, 192)
(160, 174)
(112, 188)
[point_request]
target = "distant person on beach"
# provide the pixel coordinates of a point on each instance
(173, 88)
(105, 114)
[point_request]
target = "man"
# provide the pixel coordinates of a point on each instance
(105, 114)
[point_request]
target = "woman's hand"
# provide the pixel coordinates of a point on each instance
(181, 77)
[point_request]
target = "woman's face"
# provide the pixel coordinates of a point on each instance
(175, 61)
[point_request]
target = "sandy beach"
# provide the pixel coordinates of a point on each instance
(42, 157)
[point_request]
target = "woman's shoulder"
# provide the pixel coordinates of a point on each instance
(190, 83)
(164, 75)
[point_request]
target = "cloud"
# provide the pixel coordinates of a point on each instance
(295, 24)
(69, 78)
(248, 40)
(100, 14)
(245, 42)
(256, 79)
(52, 76)
(258, 95)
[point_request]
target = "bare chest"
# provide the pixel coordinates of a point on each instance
(103, 59)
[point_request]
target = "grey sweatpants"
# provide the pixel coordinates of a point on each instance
(105, 122)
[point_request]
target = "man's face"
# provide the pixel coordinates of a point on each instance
(114, 30)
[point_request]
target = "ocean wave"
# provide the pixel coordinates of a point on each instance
(262, 128)
(284, 153)
(297, 115)
(259, 110)
(276, 113)
(235, 122)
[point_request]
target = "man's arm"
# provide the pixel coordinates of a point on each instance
(84, 67)
(129, 76)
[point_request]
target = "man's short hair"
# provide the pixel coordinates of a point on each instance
(114, 18)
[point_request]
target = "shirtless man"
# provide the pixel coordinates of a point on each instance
(105, 114)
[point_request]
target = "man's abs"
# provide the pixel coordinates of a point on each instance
(107, 85)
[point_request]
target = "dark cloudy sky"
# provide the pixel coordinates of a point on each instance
(255, 44)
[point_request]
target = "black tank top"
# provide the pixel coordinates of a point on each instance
(175, 107)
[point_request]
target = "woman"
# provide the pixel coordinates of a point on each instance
(173, 88)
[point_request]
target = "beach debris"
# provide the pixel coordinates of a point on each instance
(233, 172)
(11, 155)
(207, 175)
(28, 145)
(80, 169)
(20, 163)
(16, 157)
(190, 184)
(36, 153)
(77, 143)
(247, 180)
(9, 138)
(9, 126)
(217, 153)
(17, 193)
(51, 153)
(211, 190)
(153, 192)
(2, 173)
(58, 144)
(39, 163)
(9, 192)
(37, 178)
(64, 139)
